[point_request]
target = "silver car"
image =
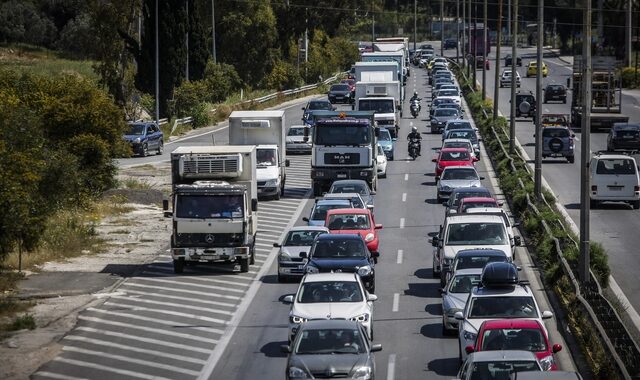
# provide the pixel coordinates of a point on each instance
(298, 139)
(299, 239)
(454, 296)
(498, 364)
(454, 177)
(319, 211)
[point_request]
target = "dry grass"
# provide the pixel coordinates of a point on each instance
(138, 184)
(25, 58)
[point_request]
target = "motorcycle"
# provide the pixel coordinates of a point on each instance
(413, 148)
(415, 108)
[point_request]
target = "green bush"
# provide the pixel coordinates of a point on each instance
(220, 81)
(283, 76)
(629, 76)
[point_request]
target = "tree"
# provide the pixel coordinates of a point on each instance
(198, 37)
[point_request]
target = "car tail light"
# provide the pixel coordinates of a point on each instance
(636, 188)
(594, 188)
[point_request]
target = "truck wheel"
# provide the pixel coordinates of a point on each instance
(278, 195)
(593, 203)
(178, 266)
(244, 265)
(252, 252)
(636, 205)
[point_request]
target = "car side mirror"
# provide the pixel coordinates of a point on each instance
(434, 241)
(370, 207)
(458, 315)
(286, 349)
(287, 163)
(442, 291)
(475, 159)
(481, 177)
(519, 268)
(288, 298)
(378, 226)
(517, 240)
(434, 160)
(165, 207)
(254, 205)
(276, 245)
(302, 108)
(373, 192)
(469, 349)
(376, 347)
(305, 219)
(303, 255)
(372, 297)
(547, 314)
(556, 348)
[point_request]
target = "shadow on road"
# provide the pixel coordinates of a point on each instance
(424, 290)
(272, 350)
(434, 309)
(444, 367)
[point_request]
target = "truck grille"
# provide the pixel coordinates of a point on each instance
(210, 164)
(342, 158)
(208, 240)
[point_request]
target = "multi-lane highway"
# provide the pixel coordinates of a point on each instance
(220, 325)
(616, 226)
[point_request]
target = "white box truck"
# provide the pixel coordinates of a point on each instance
(214, 205)
(265, 130)
(386, 56)
(384, 100)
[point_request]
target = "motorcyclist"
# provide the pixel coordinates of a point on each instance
(414, 136)
(415, 97)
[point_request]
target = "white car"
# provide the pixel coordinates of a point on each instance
(453, 177)
(459, 143)
(455, 294)
(614, 177)
(450, 94)
(299, 239)
(515, 240)
(381, 162)
(331, 296)
(505, 78)
(500, 296)
(298, 139)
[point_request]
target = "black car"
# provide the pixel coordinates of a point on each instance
(450, 43)
(329, 349)
(624, 136)
(508, 62)
(340, 93)
(342, 253)
(555, 92)
(438, 102)
(525, 104)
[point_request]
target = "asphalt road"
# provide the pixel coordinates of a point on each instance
(221, 325)
(614, 225)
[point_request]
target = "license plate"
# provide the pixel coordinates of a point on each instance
(615, 188)
(207, 257)
(341, 176)
(627, 137)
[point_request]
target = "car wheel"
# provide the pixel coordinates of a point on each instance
(391, 158)
(252, 258)
(445, 332)
(160, 147)
(281, 278)
(636, 205)
(317, 189)
(593, 203)
(564, 100)
(145, 150)
(434, 274)
(178, 266)
(571, 159)
(277, 195)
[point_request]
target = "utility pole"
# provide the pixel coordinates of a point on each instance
(470, 49)
(213, 31)
(485, 46)
(415, 24)
(584, 260)
(514, 43)
(475, 45)
(509, 20)
(442, 28)
(306, 45)
(627, 34)
(458, 31)
(157, 64)
(555, 24)
(464, 33)
(538, 123)
(496, 85)
(186, 43)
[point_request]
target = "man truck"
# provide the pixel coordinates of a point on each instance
(214, 205)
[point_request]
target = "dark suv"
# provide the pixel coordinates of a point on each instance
(624, 136)
(557, 141)
(555, 92)
(507, 60)
(525, 104)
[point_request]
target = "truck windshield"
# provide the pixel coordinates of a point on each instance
(296, 132)
(266, 157)
(209, 206)
(333, 134)
(376, 105)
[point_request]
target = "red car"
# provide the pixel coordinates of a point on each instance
(470, 202)
(349, 82)
(517, 334)
(453, 157)
(355, 220)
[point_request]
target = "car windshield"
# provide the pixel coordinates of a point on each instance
(462, 134)
(266, 157)
(339, 248)
(320, 211)
(457, 196)
(439, 102)
(384, 135)
(455, 156)
(619, 166)
(301, 238)
(477, 262)
(295, 132)
(513, 339)
(341, 134)
(330, 341)
(459, 174)
(503, 307)
(555, 132)
(136, 130)
(349, 188)
(448, 93)
(476, 233)
(320, 106)
(555, 88)
(376, 105)
(469, 205)
(349, 222)
(627, 133)
(329, 291)
(501, 369)
(207, 206)
(459, 125)
(463, 283)
(339, 87)
(445, 112)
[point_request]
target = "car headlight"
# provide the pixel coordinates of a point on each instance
(452, 311)
(447, 261)
(362, 373)
(547, 362)
(137, 140)
(469, 336)
(297, 373)
(361, 318)
(365, 270)
(387, 148)
(312, 269)
(297, 320)
(446, 188)
(271, 183)
(283, 256)
(369, 237)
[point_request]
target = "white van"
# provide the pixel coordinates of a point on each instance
(614, 177)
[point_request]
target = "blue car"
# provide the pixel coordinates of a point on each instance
(145, 137)
(342, 253)
(386, 142)
(315, 105)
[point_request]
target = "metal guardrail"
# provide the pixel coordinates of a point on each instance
(587, 295)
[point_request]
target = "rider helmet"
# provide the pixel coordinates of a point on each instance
(414, 129)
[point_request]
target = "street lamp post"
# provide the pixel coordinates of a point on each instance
(585, 206)
(442, 28)
(538, 124)
(157, 67)
(485, 44)
(458, 31)
(415, 24)
(514, 42)
(213, 31)
(496, 86)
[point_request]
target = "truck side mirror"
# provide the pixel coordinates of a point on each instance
(254, 205)
(377, 132)
(287, 163)
(165, 207)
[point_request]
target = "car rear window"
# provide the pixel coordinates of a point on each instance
(622, 166)
(320, 212)
(503, 307)
(555, 132)
(454, 156)
(627, 133)
(513, 339)
(460, 174)
(478, 262)
(339, 87)
(445, 112)
(476, 233)
(349, 222)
